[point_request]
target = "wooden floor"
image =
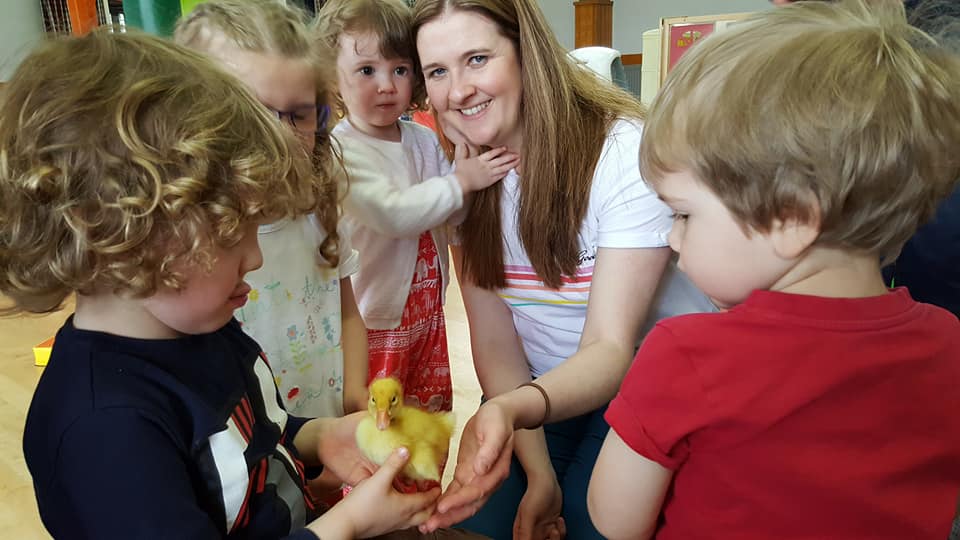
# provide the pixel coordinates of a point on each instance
(18, 377)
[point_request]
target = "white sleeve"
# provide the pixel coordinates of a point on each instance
(629, 213)
(376, 202)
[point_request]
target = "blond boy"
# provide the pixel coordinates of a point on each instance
(797, 150)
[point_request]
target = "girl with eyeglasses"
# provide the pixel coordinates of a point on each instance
(402, 194)
(302, 309)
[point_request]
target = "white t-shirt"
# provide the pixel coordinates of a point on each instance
(294, 314)
(623, 212)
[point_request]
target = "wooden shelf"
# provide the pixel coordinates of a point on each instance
(83, 15)
(593, 23)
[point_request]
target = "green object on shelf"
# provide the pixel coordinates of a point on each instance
(187, 5)
(154, 16)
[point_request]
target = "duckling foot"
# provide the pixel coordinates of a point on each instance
(427, 485)
(404, 486)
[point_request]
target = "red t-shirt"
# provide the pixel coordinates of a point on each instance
(794, 416)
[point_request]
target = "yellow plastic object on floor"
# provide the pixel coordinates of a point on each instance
(41, 352)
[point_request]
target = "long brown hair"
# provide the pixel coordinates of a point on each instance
(566, 114)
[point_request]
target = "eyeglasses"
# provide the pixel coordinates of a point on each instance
(309, 119)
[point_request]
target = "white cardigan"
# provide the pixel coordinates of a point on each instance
(396, 191)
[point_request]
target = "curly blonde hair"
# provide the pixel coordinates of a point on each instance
(123, 156)
(389, 20)
(843, 103)
(272, 26)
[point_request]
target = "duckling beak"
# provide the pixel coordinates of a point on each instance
(383, 420)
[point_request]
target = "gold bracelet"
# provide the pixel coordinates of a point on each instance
(546, 401)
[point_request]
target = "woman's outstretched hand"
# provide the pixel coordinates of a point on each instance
(483, 463)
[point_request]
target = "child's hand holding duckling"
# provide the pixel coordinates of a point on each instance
(374, 507)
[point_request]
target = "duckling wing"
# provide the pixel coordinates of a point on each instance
(435, 429)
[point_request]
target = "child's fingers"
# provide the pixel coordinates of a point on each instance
(502, 170)
(510, 159)
(493, 153)
(415, 507)
(420, 518)
(391, 467)
(423, 505)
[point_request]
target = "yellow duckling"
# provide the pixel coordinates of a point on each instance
(393, 424)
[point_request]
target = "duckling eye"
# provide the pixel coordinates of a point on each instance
(394, 400)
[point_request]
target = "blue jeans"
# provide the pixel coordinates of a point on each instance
(574, 445)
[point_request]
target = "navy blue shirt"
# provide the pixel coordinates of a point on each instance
(929, 265)
(181, 438)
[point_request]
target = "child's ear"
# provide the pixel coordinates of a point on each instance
(791, 237)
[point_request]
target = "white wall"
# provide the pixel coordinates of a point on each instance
(21, 26)
(560, 15)
(633, 17)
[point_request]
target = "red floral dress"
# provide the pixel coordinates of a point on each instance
(416, 351)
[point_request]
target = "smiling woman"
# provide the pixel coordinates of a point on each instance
(489, 61)
(561, 265)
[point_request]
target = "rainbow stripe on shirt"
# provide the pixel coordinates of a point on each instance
(524, 288)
